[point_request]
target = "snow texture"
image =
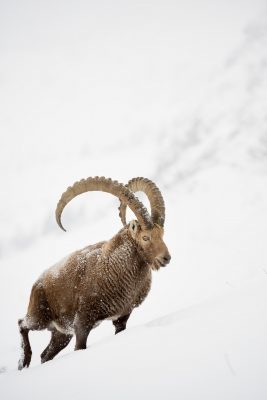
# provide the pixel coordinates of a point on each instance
(173, 91)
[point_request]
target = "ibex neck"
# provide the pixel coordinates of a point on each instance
(123, 248)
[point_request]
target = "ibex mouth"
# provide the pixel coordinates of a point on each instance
(162, 262)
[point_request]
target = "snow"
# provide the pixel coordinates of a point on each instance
(173, 92)
(56, 268)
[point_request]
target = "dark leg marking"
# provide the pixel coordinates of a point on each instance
(26, 347)
(37, 318)
(57, 343)
(82, 330)
(120, 323)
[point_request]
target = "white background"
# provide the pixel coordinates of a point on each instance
(173, 91)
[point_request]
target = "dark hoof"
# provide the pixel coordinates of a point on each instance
(24, 362)
(118, 330)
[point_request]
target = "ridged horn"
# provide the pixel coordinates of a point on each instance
(107, 185)
(154, 196)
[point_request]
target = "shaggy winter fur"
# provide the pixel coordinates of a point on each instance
(103, 281)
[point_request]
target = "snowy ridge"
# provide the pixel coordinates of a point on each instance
(230, 125)
(224, 348)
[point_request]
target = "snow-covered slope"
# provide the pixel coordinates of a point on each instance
(136, 90)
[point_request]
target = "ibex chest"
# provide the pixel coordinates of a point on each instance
(114, 281)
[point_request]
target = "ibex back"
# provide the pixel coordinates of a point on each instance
(106, 280)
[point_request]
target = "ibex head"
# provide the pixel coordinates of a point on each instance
(147, 231)
(149, 238)
(150, 243)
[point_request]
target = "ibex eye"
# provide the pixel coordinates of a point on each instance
(145, 238)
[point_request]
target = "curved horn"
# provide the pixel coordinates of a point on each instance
(103, 184)
(154, 196)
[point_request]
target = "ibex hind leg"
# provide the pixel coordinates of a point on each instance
(57, 343)
(26, 325)
(26, 354)
(38, 318)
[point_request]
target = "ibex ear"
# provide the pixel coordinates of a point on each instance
(133, 227)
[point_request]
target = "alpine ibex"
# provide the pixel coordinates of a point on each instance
(103, 281)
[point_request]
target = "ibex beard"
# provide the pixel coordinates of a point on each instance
(103, 281)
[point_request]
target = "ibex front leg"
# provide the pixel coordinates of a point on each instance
(82, 328)
(120, 323)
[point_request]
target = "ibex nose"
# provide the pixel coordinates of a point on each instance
(167, 258)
